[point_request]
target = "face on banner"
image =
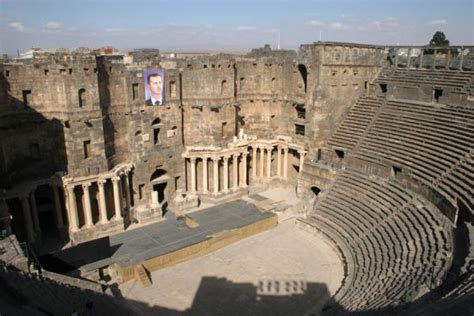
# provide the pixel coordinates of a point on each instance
(154, 83)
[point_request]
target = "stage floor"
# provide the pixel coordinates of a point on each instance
(154, 240)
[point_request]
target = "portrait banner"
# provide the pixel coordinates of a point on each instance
(154, 86)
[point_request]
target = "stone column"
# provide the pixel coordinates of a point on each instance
(225, 189)
(461, 61)
(193, 174)
(448, 59)
(396, 57)
(34, 212)
(127, 190)
(5, 217)
(269, 162)
(215, 172)
(409, 59)
(57, 207)
(278, 161)
(421, 58)
(435, 52)
(243, 182)
(235, 177)
(262, 158)
(117, 198)
(86, 202)
(285, 163)
(73, 217)
(25, 206)
(204, 175)
(254, 161)
(302, 154)
(102, 202)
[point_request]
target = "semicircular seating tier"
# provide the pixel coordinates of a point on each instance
(432, 143)
(394, 244)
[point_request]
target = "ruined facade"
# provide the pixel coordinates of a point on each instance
(82, 156)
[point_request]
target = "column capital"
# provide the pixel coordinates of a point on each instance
(192, 159)
(101, 182)
(69, 187)
(215, 158)
(115, 179)
(245, 154)
(226, 158)
(86, 185)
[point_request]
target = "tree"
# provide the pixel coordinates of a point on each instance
(439, 40)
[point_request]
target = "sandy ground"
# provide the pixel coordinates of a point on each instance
(284, 271)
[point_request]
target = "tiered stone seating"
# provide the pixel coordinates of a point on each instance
(456, 80)
(393, 243)
(434, 144)
(46, 294)
(355, 123)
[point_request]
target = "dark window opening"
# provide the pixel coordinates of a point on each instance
(82, 98)
(46, 72)
(26, 97)
(87, 148)
(70, 71)
(223, 128)
(141, 188)
(86, 70)
(156, 136)
(304, 75)
(300, 111)
(299, 129)
(396, 171)
(383, 87)
(134, 91)
(62, 71)
(339, 153)
(365, 85)
(319, 154)
(7, 73)
(437, 93)
(315, 190)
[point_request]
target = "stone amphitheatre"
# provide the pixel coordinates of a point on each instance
(331, 180)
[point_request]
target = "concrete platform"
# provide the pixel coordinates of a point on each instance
(234, 220)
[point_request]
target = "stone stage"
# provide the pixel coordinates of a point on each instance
(167, 242)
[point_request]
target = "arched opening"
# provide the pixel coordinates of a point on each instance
(303, 73)
(159, 182)
(82, 97)
(156, 125)
(315, 190)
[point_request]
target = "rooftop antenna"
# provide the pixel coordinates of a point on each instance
(279, 39)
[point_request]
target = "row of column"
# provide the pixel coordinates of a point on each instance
(421, 55)
(87, 208)
(236, 184)
(30, 213)
(239, 178)
(266, 151)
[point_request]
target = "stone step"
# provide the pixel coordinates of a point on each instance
(142, 276)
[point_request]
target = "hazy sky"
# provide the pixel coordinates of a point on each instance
(228, 24)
